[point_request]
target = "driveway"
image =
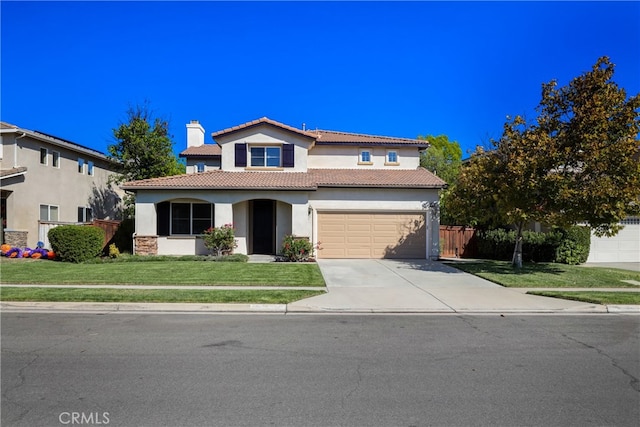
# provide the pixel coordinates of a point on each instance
(397, 286)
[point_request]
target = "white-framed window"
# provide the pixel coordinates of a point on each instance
(90, 168)
(81, 166)
(392, 157)
(44, 156)
(200, 167)
(266, 157)
(84, 214)
(48, 213)
(55, 159)
(191, 218)
(365, 157)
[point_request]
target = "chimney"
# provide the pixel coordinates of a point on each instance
(195, 134)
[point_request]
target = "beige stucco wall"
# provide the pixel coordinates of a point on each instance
(264, 135)
(346, 157)
(296, 212)
(47, 185)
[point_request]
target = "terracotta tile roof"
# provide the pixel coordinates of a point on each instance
(227, 180)
(202, 150)
(384, 178)
(332, 137)
(263, 120)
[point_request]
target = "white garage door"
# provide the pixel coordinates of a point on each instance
(371, 235)
(623, 247)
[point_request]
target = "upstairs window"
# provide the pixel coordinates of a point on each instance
(90, 168)
(81, 166)
(200, 167)
(44, 154)
(365, 157)
(55, 159)
(265, 157)
(392, 157)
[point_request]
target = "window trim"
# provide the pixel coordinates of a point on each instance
(55, 159)
(361, 151)
(387, 160)
(44, 160)
(264, 146)
(57, 208)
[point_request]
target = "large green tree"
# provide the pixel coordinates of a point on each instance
(443, 158)
(577, 163)
(143, 147)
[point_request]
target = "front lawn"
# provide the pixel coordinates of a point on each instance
(624, 298)
(548, 275)
(52, 294)
(167, 272)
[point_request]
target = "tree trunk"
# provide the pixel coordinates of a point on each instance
(516, 260)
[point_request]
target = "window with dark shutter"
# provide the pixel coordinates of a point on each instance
(287, 155)
(163, 218)
(241, 155)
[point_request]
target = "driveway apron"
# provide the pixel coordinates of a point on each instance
(397, 286)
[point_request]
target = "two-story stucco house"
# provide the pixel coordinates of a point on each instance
(358, 196)
(46, 179)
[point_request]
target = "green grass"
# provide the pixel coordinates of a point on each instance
(167, 272)
(625, 298)
(549, 275)
(52, 294)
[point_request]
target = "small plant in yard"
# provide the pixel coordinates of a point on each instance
(220, 239)
(114, 252)
(297, 249)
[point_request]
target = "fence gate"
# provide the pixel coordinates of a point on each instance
(457, 241)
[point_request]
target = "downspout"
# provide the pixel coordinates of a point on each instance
(15, 150)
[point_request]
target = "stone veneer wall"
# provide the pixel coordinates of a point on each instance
(146, 245)
(15, 238)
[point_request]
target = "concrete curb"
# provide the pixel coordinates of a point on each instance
(79, 307)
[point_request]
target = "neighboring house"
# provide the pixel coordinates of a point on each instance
(47, 180)
(356, 196)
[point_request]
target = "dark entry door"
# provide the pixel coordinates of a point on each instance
(263, 215)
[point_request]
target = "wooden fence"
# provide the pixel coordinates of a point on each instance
(457, 241)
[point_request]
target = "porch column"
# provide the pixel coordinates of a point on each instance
(223, 214)
(301, 220)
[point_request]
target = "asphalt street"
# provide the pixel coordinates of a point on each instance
(148, 369)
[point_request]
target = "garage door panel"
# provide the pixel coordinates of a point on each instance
(366, 235)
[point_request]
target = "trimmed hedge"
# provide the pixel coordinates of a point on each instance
(564, 246)
(76, 243)
(575, 246)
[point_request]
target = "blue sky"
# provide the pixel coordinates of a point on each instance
(399, 69)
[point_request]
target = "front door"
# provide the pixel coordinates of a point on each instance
(263, 225)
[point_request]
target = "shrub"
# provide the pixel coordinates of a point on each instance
(499, 244)
(76, 243)
(114, 252)
(296, 249)
(220, 239)
(574, 245)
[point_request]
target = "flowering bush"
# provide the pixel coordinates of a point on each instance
(296, 249)
(220, 239)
